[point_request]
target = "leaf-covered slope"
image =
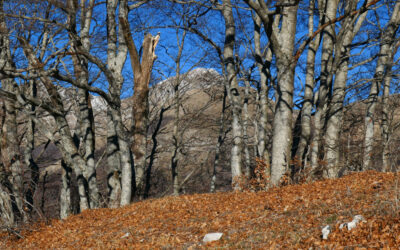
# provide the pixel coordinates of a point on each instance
(290, 216)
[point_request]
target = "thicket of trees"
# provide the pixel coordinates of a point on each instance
(290, 75)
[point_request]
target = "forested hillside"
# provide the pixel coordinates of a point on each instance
(108, 103)
(287, 217)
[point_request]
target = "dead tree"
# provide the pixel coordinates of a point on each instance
(142, 68)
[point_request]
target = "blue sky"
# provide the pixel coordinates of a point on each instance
(155, 19)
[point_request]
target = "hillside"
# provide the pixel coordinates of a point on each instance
(290, 216)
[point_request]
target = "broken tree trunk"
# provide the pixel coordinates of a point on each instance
(142, 72)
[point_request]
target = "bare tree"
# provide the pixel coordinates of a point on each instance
(233, 92)
(387, 119)
(282, 44)
(142, 72)
(330, 8)
(350, 28)
(306, 111)
(387, 41)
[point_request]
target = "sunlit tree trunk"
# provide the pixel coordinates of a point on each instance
(385, 112)
(306, 110)
(263, 69)
(281, 35)
(142, 68)
(384, 52)
(385, 126)
(233, 92)
(247, 161)
(113, 162)
(85, 114)
(65, 192)
(30, 145)
(219, 142)
(335, 112)
(116, 56)
(328, 34)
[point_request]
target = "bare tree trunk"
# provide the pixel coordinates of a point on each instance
(153, 153)
(7, 214)
(176, 134)
(264, 71)
(126, 163)
(30, 145)
(385, 119)
(11, 157)
(118, 151)
(67, 142)
(74, 160)
(65, 193)
(87, 138)
(281, 35)
(233, 93)
(305, 133)
(335, 112)
(6, 211)
(282, 125)
(247, 169)
(117, 51)
(220, 141)
(386, 42)
(176, 138)
(330, 9)
(13, 162)
(385, 111)
(113, 162)
(142, 72)
(85, 114)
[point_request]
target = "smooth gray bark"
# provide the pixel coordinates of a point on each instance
(233, 93)
(247, 168)
(387, 119)
(330, 8)
(220, 141)
(281, 34)
(282, 125)
(264, 71)
(384, 53)
(349, 29)
(306, 110)
(176, 134)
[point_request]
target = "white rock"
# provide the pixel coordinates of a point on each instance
(125, 235)
(212, 237)
(353, 224)
(325, 232)
(343, 225)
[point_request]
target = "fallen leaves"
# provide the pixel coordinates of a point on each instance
(290, 216)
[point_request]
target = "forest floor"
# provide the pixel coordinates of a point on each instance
(285, 217)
